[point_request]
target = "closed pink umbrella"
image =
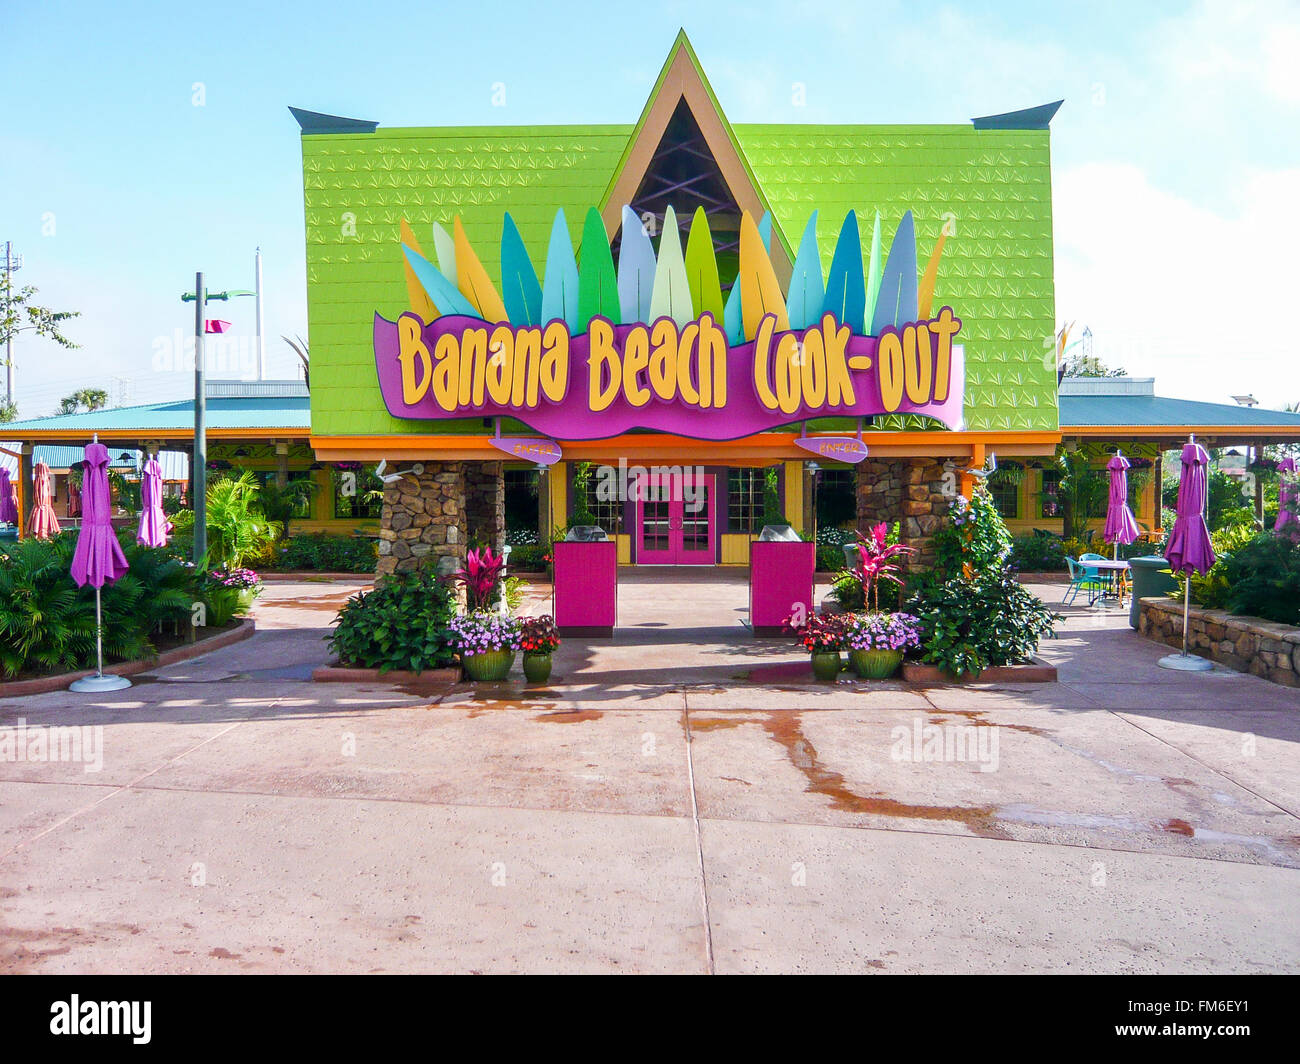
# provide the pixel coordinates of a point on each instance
(1121, 527)
(43, 524)
(98, 559)
(1189, 550)
(8, 500)
(153, 522)
(1288, 501)
(74, 499)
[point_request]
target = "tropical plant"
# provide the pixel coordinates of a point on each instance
(303, 352)
(401, 624)
(283, 502)
(47, 623)
(89, 399)
(18, 314)
(1082, 490)
(1264, 579)
(971, 624)
(1037, 554)
(480, 577)
(878, 561)
(974, 538)
(237, 528)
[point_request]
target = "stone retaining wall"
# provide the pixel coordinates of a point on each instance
(1246, 644)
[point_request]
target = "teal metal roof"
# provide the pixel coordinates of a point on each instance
(175, 464)
(1154, 411)
(255, 412)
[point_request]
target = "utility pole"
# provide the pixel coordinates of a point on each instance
(12, 263)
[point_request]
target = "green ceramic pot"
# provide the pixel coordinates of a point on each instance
(826, 664)
(245, 599)
(875, 664)
(489, 667)
(537, 667)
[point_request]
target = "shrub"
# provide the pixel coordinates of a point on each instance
(974, 539)
(830, 557)
(323, 552)
(47, 623)
(1037, 554)
(1263, 578)
(529, 557)
(1212, 589)
(972, 624)
(401, 624)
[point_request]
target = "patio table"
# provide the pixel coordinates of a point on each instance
(1118, 572)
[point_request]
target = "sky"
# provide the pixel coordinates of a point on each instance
(141, 142)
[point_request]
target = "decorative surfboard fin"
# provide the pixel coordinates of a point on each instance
(560, 283)
(760, 294)
(807, 289)
(733, 313)
(597, 282)
(444, 294)
(702, 268)
(445, 248)
(846, 292)
(473, 281)
(896, 304)
(636, 269)
(520, 290)
(671, 296)
(416, 295)
(925, 295)
(873, 272)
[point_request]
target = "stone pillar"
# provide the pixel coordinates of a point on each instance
(915, 492)
(485, 503)
(423, 519)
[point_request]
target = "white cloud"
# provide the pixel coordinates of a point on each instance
(1223, 44)
(1172, 289)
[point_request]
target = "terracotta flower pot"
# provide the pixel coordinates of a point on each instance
(537, 667)
(875, 664)
(826, 664)
(490, 667)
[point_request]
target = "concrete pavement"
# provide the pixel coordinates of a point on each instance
(678, 800)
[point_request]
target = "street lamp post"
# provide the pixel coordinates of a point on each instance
(199, 462)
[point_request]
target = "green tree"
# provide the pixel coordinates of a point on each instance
(19, 314)
(1082, 491)
(83, 398)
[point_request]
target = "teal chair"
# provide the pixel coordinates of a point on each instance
(1082, 579)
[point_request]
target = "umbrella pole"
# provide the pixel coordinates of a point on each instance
(1187, 606)
(99, 636)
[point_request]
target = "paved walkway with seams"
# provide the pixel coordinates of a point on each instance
(679, 799)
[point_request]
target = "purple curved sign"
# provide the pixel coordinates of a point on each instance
(685, 379)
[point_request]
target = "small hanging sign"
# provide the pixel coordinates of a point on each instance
(529, 449)
(839, 448)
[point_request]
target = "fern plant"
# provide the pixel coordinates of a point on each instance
(46, 625)
(237, 528)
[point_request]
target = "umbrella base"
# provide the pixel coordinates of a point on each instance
(1185, 663)
(98, 684)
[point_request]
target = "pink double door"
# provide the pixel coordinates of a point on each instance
(676, 520)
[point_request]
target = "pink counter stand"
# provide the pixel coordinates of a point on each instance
(780, 581)
(586, 588)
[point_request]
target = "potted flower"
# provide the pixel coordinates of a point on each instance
(486, 642)
(823, 637)
(228, 591)
(877, 642)
(538, 637)
(480, 576)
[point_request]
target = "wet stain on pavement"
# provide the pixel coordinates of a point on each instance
(787, 729)
(570, 716)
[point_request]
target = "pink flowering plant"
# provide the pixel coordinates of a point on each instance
(879, 561)
(820, 633)
(482, 633)
(233, 577)
(480, 577)
(883, 631)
